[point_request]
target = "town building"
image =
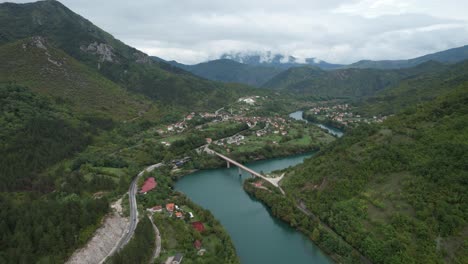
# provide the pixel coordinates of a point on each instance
(149, 185)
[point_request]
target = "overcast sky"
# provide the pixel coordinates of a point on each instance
(338, 31)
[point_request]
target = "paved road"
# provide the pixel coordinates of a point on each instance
(132, 191)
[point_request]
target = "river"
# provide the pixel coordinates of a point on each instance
(336, 132)
(257, 235)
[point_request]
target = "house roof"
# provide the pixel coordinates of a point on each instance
(197, 244)
(178, 214)
(157, 207)
(198, 226)
(149, 184)
(170, 207)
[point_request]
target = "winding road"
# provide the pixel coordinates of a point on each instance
(132, 191)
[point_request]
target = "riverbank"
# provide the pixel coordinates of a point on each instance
(290, 212)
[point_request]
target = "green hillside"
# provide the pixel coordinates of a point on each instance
(416, 89)
(396, 192)
(336, 83)
(345, 83)
(447, 56)
(120, 63)
(34, 63)
(225, 70)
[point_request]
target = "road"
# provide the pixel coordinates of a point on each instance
(157, 250)
(132, 191)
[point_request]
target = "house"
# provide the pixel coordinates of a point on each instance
(191, 214)
(198, 226)
(170, 207)
(155, 209)
(179, 215)
(149, 185)
(197, 244)
(209, 140)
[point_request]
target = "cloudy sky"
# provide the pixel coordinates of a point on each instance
(338, 31)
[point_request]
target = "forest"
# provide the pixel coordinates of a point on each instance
(395, 192)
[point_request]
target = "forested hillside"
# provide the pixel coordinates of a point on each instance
(120, 63)
(396, 192)
(416, 89)
(346, 83)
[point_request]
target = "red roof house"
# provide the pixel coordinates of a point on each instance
(170, 207)
(149, 185)
(198, 226)
(197, 244)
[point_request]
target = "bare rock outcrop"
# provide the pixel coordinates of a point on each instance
(104, 51)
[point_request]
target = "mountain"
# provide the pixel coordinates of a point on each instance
(120, 63)
(434, 80)
(337, 83)
(447, 56)
(350, 83)
(276, 60)
(230, 71)
(395, 192)
(35, 63)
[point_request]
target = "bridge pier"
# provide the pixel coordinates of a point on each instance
(240, 171)
(228, 164)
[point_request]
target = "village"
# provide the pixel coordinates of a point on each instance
(340, 113)
(241, 113)
(180, 222)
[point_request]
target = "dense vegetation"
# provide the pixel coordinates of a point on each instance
(122, 64)
(434, 79)
(45, 229)
(337, 83)
(346, 83)
(36, 133)
(396, 192)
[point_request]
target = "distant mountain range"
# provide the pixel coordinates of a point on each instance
(229, 71)
(350, 83)
(447, 56)
(277, 71)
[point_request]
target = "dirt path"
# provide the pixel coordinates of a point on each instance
(157, 249)
(103, 241)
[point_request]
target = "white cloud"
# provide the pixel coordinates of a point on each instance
(339, 31)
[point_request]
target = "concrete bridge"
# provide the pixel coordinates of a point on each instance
(274, 181)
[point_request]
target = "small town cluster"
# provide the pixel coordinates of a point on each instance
(342, 114)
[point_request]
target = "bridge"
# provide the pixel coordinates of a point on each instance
(274, 181)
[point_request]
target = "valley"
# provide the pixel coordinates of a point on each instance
(111, 155)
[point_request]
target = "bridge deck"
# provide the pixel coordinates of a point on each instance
(273, 181)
